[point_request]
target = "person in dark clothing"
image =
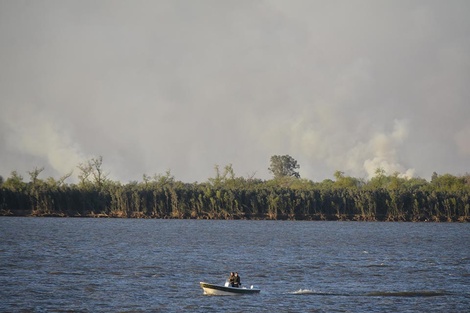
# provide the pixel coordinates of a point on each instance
(237, 282)
(231, 279)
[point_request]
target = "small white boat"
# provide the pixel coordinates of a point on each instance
(226, 290)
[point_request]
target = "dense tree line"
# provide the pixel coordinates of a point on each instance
(383, 198)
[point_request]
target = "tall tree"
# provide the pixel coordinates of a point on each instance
(15, 182)
(93, 168)
(34, 174)
(284, 166)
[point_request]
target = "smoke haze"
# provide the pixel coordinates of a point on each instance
(177, 85)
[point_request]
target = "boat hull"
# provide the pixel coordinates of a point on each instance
(218, 290)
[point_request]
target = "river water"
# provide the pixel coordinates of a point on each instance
(134, 265)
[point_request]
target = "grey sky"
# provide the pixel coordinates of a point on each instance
(184, 85)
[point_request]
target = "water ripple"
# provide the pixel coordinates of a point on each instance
(112, 265)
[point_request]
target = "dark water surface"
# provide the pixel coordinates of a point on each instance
(132, 265)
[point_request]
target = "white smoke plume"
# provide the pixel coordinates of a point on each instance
(41, 134)
(183, 85)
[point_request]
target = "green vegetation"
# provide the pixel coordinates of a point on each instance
(284, 166)
(286, 196)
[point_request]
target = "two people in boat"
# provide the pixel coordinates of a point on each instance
(234, 280)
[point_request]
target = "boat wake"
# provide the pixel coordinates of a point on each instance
(305, 292)
(423, 293)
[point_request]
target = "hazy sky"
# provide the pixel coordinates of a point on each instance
(173, 85)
